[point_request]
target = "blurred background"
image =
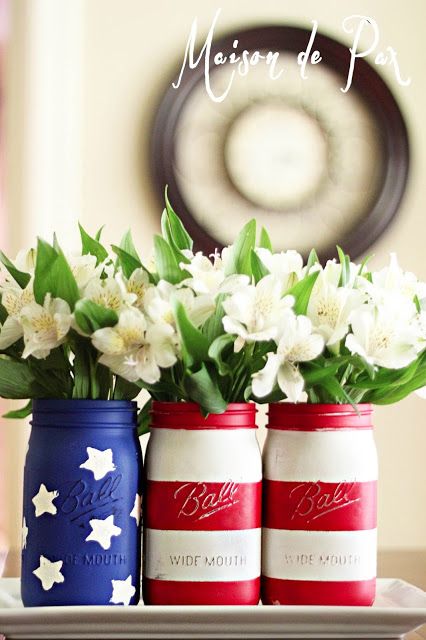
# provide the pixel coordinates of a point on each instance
(81, 84)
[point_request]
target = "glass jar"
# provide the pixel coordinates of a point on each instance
(319, 511)
(81, 515)
(202, 521)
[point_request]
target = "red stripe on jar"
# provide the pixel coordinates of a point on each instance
(187, 415)
(170, 592)
(305, 592)
(314, 417)
(202, 506)
(320, 506)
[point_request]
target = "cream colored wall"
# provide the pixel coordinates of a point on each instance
(128, 50)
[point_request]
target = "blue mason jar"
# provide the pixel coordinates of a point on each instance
(81, 515)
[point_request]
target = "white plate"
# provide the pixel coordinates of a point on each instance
(399, 608)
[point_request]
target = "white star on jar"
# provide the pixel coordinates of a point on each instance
(24, 534)
(43, 501)
(136, 511)
(98, 462)
(103, 531)
(49, 573)
(122, 591)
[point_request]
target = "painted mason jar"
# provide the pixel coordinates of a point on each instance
(319, 505)
(202, 517)
(81, 515)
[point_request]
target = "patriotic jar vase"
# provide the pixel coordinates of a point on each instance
(319, 505)
(202, 516)
(81, 516)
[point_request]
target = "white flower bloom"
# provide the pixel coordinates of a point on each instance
(128, 334)
(287, 266)
(138, 284)
(296, 344)
(45, 326)
(25, 260)
(206, 275)
(255, 313)
(158, 304)
(393, 282)
(14, 299)
(110, 292)
(330, 307)
(83, 268)
(208, 278)
(383, 336)
(135, 350)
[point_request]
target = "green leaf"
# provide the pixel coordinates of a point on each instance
(91, 316)
(201, 388)
(302, 292)
(125, 390)
(240, 261)
(18, 414)
(127, 245)
(99, 233)
(127, 262)
(173, 230)
(17, 380)
(144, 418)
(312, 374)
(167, 263)
(336, 391)
(216, 350)
(213, 327)
(19, 276)
(265, 240)
(312, 259)
(258, 269)
(364, 264)
(195, 345)
(82, 358)
(345, 264)
(92, 246)
(53, 275)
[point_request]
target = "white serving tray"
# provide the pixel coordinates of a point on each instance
(399, 608)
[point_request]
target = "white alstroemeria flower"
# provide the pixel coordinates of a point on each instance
(45, 326)
(332, 272)
(206, 275)
(138, 284)
(392, 281)
(158, 304)
(296, 344)
(383, 336)
(135, 350)
(208, 278)
(255, 313)
(25, 260)
(286, 265)
(14, 299)
(83, 268)
(110, 292)
(330, 307)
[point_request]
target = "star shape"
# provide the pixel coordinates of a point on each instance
(103, 531)
(43, 501)
(49, 572)
(98, 462)
(136, 511)
(122, 591)
(24, 534)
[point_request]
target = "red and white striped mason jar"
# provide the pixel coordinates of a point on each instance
(319, 505)
(202, 517)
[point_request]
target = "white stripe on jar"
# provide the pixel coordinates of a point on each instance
(203, 556)
(319, 555)
(166, 461)
(328, 456)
